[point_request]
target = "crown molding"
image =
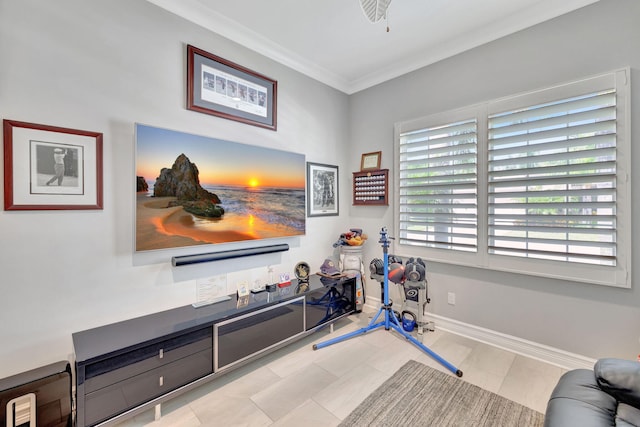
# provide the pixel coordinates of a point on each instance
(196, 12)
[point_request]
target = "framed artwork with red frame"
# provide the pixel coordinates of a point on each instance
(222, 88)
(51, 168)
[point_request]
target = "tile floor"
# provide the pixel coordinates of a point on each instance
(297, 386)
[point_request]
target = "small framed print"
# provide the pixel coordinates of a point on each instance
(51, 168)
(370, 161)
(222, 88)
(322, 190)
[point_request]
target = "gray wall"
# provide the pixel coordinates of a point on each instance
(103, 66)
(589, 320)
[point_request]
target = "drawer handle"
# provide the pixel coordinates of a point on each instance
(161, 353)
(161, 382)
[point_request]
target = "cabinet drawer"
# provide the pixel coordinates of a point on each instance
(238, 338)
(117, 398)
(118, 368)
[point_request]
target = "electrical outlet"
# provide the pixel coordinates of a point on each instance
(451, 298)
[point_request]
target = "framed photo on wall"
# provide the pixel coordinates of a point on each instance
(222, 88)
(370, 161)
(51, 168)
(322, 190)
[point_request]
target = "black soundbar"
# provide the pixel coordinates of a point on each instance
(178, 261)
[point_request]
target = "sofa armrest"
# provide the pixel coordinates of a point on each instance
(578, 401)
(620, 378)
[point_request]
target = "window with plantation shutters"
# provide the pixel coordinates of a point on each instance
(536, 183)
(552, 180)
(438, 186)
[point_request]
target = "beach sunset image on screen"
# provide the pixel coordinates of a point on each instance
(195, 190)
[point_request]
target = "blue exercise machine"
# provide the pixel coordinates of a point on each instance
(390, 321)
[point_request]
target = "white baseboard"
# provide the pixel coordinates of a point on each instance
(544, 353)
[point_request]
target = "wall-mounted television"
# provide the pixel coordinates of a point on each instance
(199, 190)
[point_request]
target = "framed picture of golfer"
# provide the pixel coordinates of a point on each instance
(322, 190)
(48, 167)
(56, 168)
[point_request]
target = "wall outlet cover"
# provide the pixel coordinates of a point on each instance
(451, 298)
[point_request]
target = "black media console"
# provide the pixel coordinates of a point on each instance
(125, 368)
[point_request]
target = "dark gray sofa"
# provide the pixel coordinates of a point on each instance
(607, 396)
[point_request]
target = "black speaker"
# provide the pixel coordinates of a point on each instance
(178, 261)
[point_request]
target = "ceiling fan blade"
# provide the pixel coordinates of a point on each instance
(375, 10)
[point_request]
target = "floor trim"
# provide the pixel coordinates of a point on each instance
(544, 353)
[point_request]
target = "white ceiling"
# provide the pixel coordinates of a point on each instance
(332, 41)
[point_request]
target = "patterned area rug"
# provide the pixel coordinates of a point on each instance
(418, 395)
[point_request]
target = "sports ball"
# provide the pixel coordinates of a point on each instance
(396, 272)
